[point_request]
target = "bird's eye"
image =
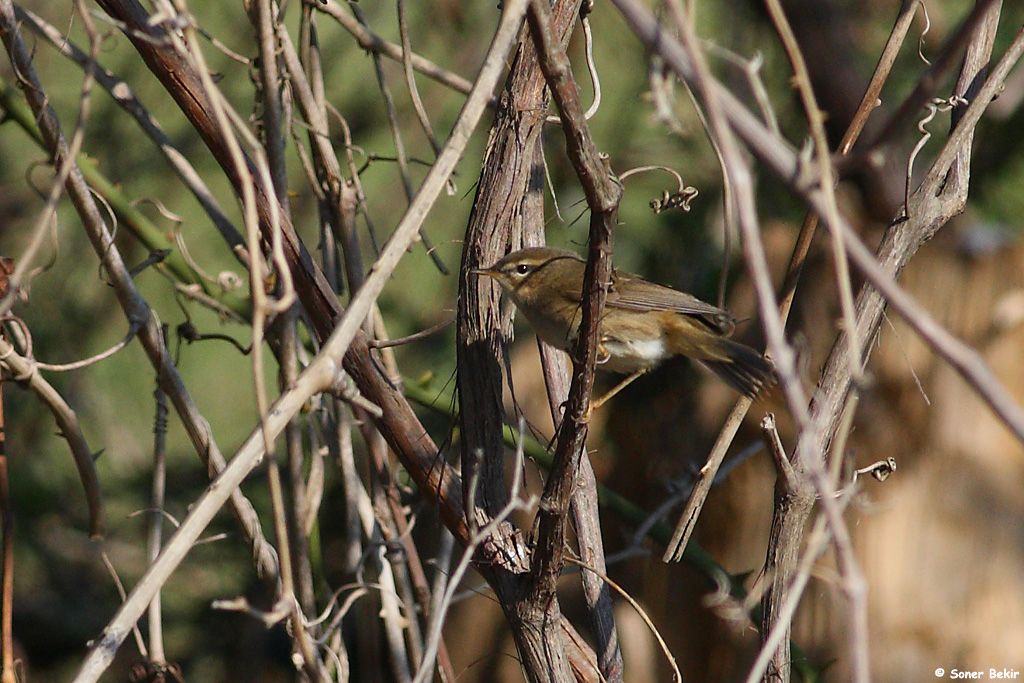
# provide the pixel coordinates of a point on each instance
(523, 268)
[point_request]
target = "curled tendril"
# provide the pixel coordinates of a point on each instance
(676, 200)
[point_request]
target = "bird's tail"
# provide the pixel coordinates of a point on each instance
(744, 369)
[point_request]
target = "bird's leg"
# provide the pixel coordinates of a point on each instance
(594, 405)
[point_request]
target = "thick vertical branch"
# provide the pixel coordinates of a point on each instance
(602, 197)
(794, 499)
(510, 172)
(584, 509)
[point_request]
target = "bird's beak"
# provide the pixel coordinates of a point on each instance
(489, 272)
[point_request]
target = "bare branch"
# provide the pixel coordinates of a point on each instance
(370, 41)
(123, 95)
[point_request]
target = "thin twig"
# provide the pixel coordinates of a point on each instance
(264, 16)
(816, 120)
(25, 370)
(337, 201)
(119, 585)
(7, 672)
(417, 336)
(154, 535)
(410, 79)
(676, 675)
(595, 78)
(370, 41)
(396, 134)
(395, 610)
(266, 20)
(392, 532)
(301, 507)
(86, 362)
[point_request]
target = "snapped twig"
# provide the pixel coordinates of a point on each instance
(793, 500)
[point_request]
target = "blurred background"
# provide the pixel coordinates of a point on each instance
(940, 542)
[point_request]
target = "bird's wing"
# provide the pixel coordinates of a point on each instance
(642, 295)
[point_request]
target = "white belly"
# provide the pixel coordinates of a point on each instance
(620, 356)
(630, 356)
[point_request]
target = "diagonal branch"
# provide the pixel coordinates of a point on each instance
(123, 95)
(928, 84)
(398, 424)
(938, 199)
(783, 160)
(135, 308)
(345, 340)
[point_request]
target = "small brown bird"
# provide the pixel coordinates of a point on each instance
(643, 324)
